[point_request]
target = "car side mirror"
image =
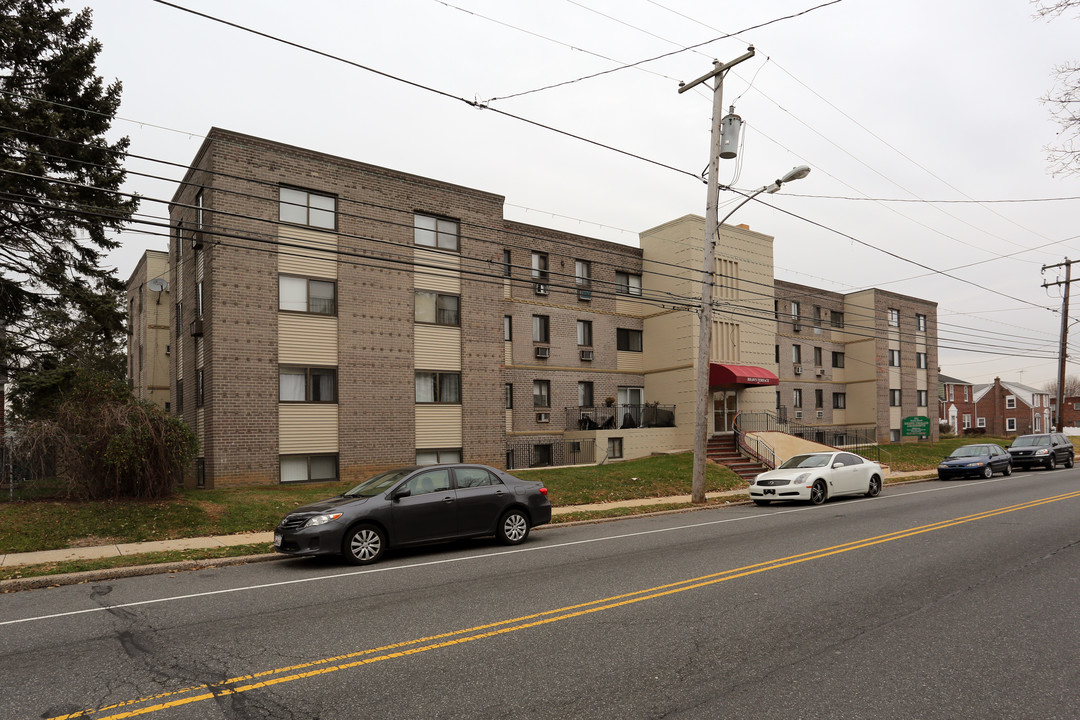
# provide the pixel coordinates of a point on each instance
(837, 465)
(400, 493)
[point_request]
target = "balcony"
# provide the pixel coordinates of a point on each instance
(620, 417)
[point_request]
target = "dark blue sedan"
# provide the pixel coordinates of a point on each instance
(975, 461)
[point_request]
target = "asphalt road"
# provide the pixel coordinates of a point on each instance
(935, 600)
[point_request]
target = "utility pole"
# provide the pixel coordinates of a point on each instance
(701, 427)
(1064, 335)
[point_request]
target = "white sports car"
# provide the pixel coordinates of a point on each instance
(817, 477)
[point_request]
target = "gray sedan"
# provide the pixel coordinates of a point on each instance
(412, 506)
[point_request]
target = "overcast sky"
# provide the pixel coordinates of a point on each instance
(917, 101)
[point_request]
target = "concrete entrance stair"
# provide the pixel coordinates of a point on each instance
(721, 449)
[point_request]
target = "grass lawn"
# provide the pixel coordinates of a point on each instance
(925, 456)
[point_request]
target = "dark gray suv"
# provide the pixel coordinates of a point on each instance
(1045, 449)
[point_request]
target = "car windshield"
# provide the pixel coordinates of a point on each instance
(378, 484)
(807, 461)
(971, 451)
(1031, 440)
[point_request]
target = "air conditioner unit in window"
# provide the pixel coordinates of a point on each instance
(796, 327)
(798, 369)
(196, 328)
(820, 413)
(819, 372)
(798, 414)
(543, 352)
(197, 240)
(543, 417)
(587, 355)
(541, 289)
(584, 294)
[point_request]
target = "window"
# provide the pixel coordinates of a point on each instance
(436, 308)
(301, 468)
(614, 447)
(582, 275)
(299, 294)
(796, 353)
(475, 477)
(179, 318)
(839, 401)
(627, 284)
(894, 436)
(1010, 402)
(584, 332)
(313, 385)
(540, 267)
(541, 329)
(920, 360)
(1010, 424)
(817, 316)
(980, 422)
(200, 388)
(435, 232)
(628, 340)
(796, 397)
(179, 397)
(894, 398)
(819, 398)
(894, 358)
(438, 457)
(199, 299)
(838, 359)
(894, 317)
(585, 394)
(777, 353)
(795, 314)
(508, 328)
(541, 393)
(817, 357)
(1038, 424)
(179, 240)
(507, 265)
(301, 207)
(966, 421)
(509, 396)
(438, 387)
(952, 389)
(836, 318)
(920, 322)
(920, 398)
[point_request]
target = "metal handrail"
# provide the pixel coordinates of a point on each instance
(861, 440)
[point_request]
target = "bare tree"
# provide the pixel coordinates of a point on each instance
(1063, 99)
(1072, 386)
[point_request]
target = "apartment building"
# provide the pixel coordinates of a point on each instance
(330, 318)
(149, 341)
(863, 359)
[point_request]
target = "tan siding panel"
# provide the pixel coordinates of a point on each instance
(437, 271)
(307, 339)
(624, 306)
(316, 258)
(438, 426)
(508, 353)
(630, 362)
(307, 429)
(437, 348)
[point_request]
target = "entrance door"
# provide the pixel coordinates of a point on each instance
(725, 407)
(630, 401)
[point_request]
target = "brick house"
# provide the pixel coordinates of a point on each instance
(956, 403)
(1070, 416)
(1007, 408)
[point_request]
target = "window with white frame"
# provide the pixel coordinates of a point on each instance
(438, 457)
(437, 308)
(584, 333)
(614, 447)
(967, 390)
(1010, 424)
(582, 274)
(894, 317)
(302, 207)
(894, 358)
(1038, 423)
(980, 422)
(796, 397)
(435, 232)
(920, 398)
(920, 360)
(1010, 402)
(967, 421)
(894, 398)
(541, 328)
(509, 396)
(541, 393)
(920, 322)
(508, 328)
(585, 394)
(307, 384)
(301, 468)
(540, 267)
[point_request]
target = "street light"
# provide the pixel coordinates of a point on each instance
(701, 427)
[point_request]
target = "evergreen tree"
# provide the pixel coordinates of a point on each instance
(59, 178)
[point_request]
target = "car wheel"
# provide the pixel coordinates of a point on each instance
(988, 472)
(1069, 461)
(513, 528)
(763, 503)
(875, 487)
(818, 493)
(363, 544)
(1007, 471)
(1051, 464)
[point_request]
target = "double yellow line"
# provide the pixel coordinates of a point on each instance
(268, 678)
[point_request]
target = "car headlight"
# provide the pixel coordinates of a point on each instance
(322, 519)
(1043, 451)
(801, 478)
(975, 464)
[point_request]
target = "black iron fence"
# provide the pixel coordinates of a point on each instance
(620, 417)
(527, 454)
(859, 439)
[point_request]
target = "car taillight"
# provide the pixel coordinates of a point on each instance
(543, 490)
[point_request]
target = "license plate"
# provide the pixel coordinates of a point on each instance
(770, 492)
(277, 539)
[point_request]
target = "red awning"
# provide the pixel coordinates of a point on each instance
(740, 375)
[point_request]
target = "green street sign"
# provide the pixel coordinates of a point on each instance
(918, 425)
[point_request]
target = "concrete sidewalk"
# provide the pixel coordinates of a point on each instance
(108, 551)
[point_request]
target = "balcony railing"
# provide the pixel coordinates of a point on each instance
(620, 417)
